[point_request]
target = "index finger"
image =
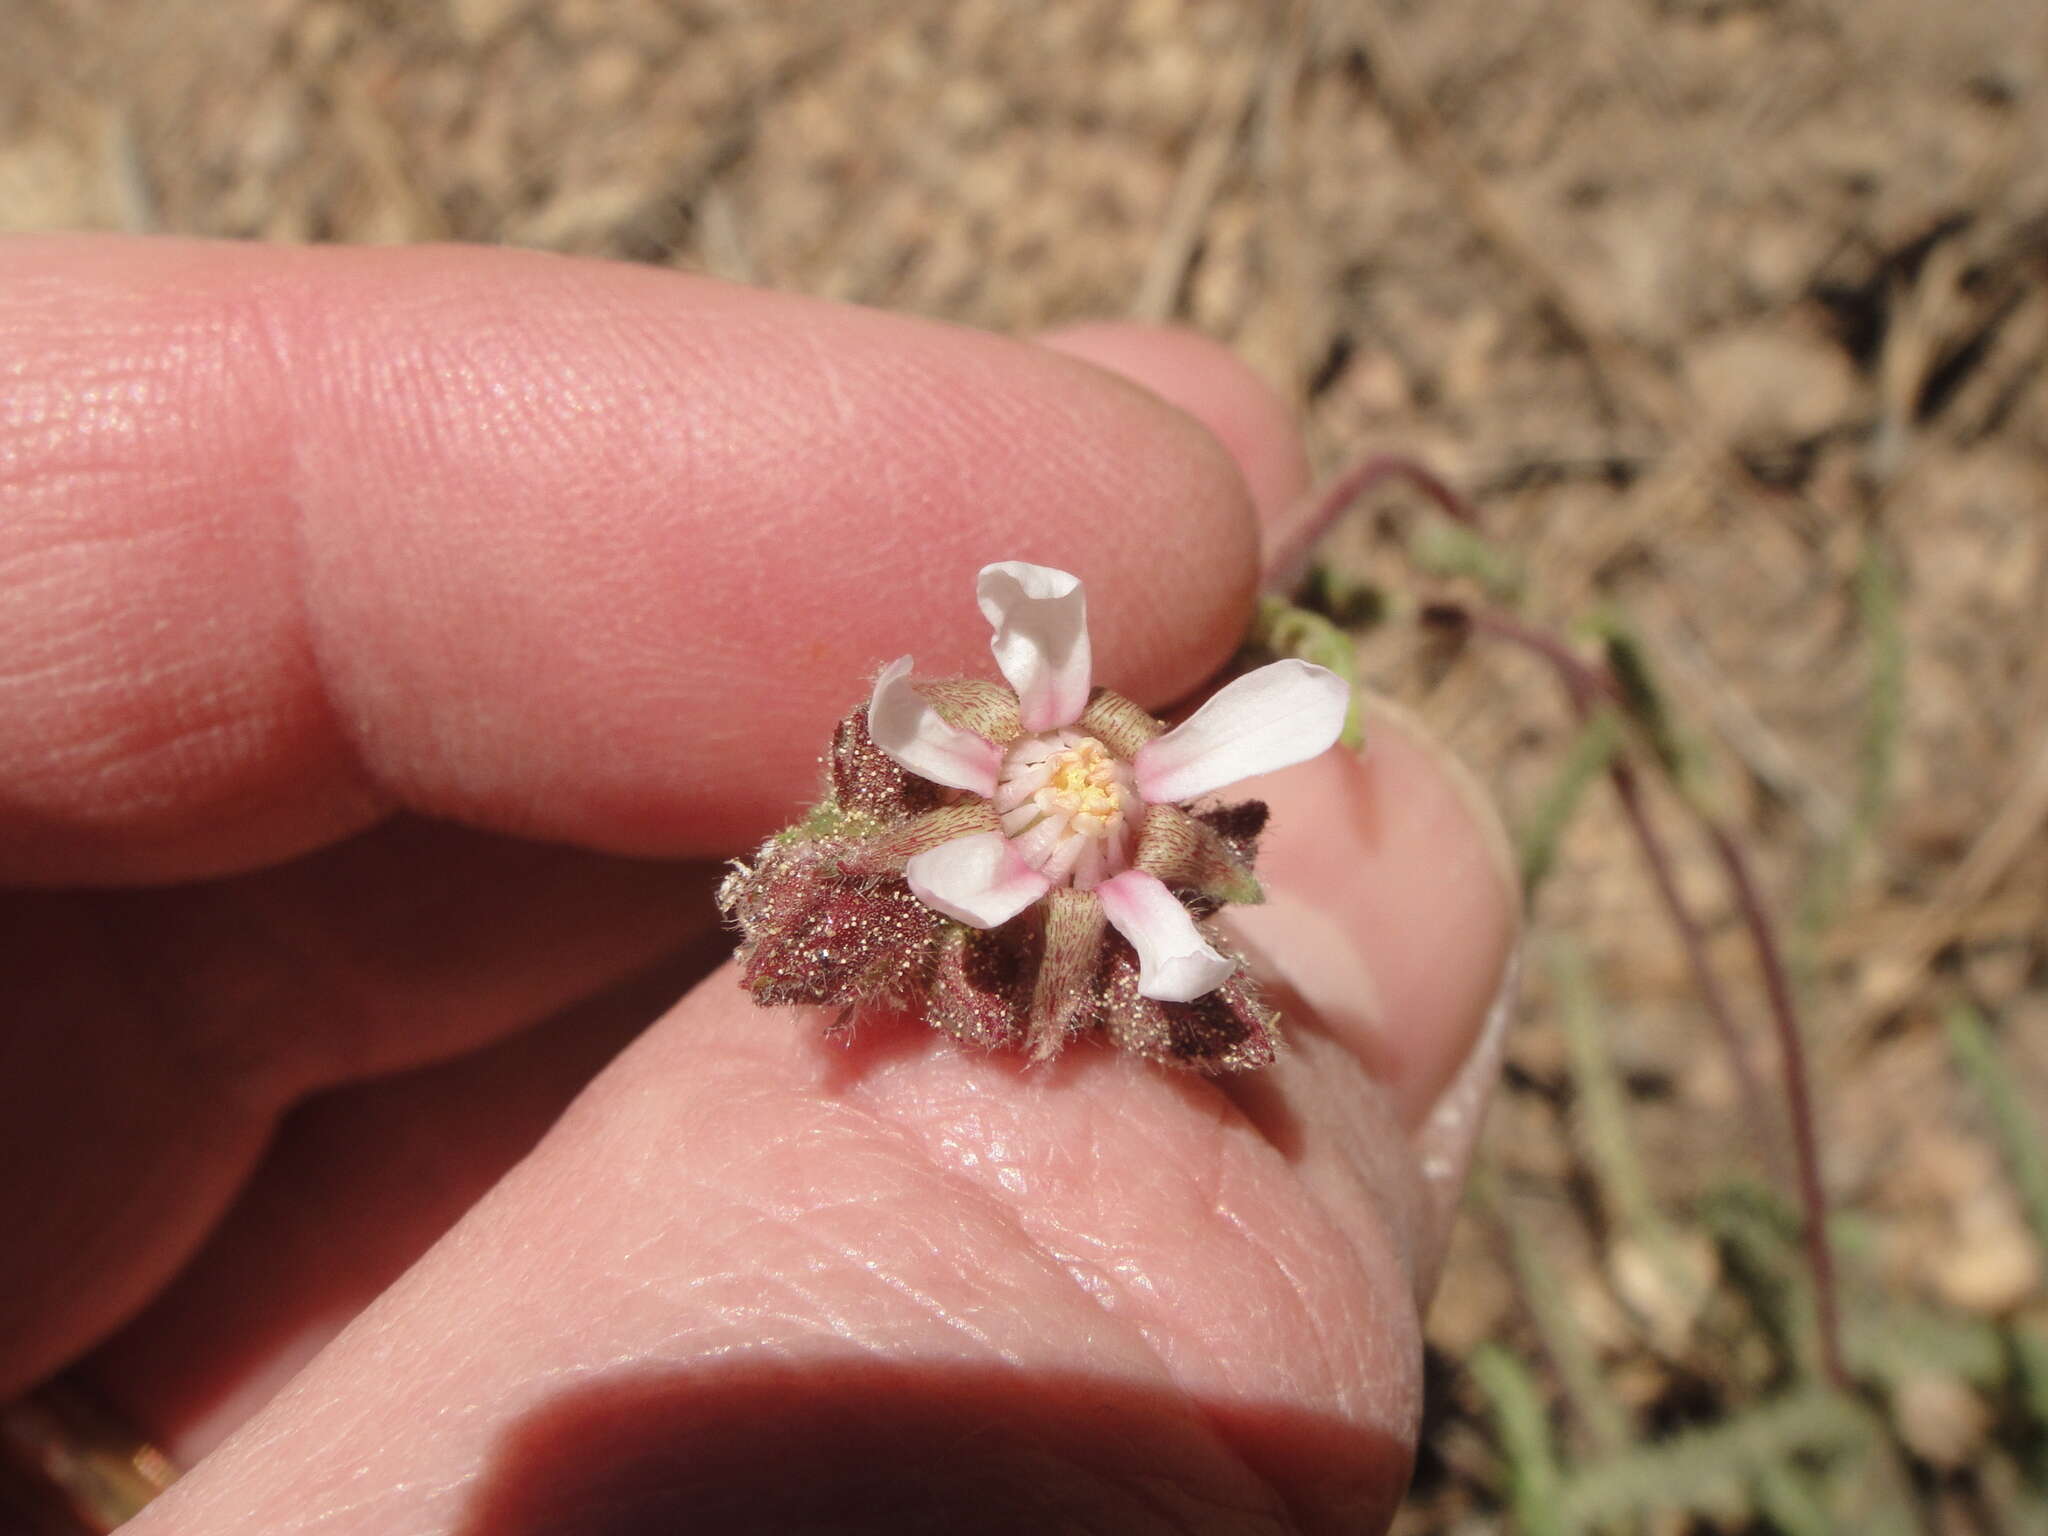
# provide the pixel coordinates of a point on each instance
(585, 552)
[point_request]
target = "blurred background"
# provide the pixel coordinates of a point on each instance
(1729, 316)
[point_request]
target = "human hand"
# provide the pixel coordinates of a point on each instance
(389, 636)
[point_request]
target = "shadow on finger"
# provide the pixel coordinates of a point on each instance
(858, 1445)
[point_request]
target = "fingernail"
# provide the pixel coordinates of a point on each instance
(1378, 709)
(1391, 904)
(1449, 1134)
(1313, 955)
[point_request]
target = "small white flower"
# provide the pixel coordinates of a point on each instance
(1069, 809)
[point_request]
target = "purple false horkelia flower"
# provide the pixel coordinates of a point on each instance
(1021, 864)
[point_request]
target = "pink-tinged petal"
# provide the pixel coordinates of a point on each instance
(911, 731)
(1092, 865)
(979, 880)
(1041, 642)
(1015, 821)
(1036, 846)
(1280, 715)
(1174, 964)
(1118, 855)
(1059, 864)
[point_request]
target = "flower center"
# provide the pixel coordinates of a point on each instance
(1068, 806)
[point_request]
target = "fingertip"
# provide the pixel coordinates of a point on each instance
(1215, 386)
(568, 549)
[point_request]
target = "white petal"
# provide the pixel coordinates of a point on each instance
(1021, 786)
(1275, 717)
(1036, 846)
(1174, 964)
(1059, 864)
(1016, 821)
(1041, 622)
(1117, 856)
(1092, 865)
(978, 880)
(910, 730)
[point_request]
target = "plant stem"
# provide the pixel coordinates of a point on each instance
(1813, 1197)
(1288, 563)
(1692, 937)
(1590, 688)
(1587, 684)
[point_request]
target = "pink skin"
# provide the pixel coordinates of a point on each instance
(298, 538)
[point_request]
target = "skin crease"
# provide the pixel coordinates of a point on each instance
(373, 463)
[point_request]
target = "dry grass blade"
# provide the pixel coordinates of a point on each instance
(2014, 831)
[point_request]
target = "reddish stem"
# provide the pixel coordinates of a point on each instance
(1287, 563)
(1588, 686)
(1588, 683)
(1692, 936)
(1813, 1196)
